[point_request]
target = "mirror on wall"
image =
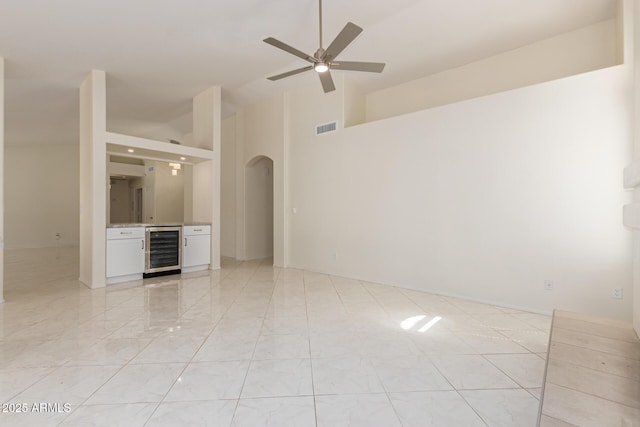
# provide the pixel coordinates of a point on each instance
(143, 191)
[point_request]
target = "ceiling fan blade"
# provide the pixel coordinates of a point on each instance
(289, 49)
(327, 81)
(342, 40)
(371, 67)
(290, 73)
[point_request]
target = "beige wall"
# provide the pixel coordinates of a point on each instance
(228, 189)
(42, 196)
(586, 49)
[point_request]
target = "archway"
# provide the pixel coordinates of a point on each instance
(259, 208)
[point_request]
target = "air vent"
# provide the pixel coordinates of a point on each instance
(326, 128)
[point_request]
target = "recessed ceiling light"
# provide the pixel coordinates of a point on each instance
(130, 150)
(183, 158)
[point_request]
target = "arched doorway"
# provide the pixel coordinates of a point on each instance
(259, 208)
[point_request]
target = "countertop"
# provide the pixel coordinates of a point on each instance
(181, 224)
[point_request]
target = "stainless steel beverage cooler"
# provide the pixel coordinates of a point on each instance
(164, 250)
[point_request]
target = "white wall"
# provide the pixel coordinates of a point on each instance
(355, 105)
(636, 155)
(228, 189)
(202, 204)
(259, 208)
(484, 198)
(586, 49)
(2, 185)
(93, 179)
(188, 193)
(42, 195)
(207, 133)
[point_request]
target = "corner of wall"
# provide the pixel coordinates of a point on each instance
(228, 188)
(633, 9)
(625, 24)
(286, 203)
(93, 182)
(354, 104)
(586, 49)
(2, 180)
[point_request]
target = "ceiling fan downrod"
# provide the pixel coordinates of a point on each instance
(320, 21)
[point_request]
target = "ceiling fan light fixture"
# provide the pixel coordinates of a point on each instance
(321, 67)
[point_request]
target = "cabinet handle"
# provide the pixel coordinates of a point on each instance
(142, 244)
(126, 232)
(185, 242)
(197, 229)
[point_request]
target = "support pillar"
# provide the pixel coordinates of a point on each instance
(93, 179)
(207, 122)
(1, 180)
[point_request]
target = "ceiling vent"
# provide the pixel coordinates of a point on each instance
(326, 128)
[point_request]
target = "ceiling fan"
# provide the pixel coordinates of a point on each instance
(324, 60)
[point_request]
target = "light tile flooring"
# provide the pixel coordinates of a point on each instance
(593, 373)
(253, 345)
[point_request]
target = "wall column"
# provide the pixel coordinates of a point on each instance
(93, 179)
(632, 50)
(207, 120)
(240, 188)
(1, 180)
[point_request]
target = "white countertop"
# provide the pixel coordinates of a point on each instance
(181, 224)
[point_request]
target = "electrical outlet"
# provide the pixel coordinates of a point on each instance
(58, 236)
(617, 293)
(548, 285)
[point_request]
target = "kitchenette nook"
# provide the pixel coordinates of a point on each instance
(147, 207)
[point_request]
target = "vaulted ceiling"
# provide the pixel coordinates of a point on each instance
(159, 53)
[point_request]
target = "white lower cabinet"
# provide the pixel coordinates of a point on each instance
(125, 252)
(196, 247)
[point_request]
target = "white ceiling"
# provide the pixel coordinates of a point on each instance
(159, 53)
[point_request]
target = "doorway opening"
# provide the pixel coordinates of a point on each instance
(137, 205)
(259, 208)
(120, 198)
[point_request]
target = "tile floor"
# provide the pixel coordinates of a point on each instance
(253, 345)
(593, 373)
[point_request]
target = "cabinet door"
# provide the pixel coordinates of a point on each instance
(124, 257)
(196, 250)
